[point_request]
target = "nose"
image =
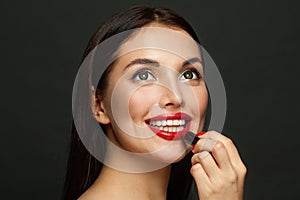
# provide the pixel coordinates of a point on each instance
(171, 97)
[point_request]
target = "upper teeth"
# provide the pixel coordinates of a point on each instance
(176, 122)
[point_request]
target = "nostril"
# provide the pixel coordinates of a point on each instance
(170, 104)
(170, 98)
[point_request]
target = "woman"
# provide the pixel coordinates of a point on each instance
(147, 100)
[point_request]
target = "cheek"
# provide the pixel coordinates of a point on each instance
(141, 102)
(202, 99)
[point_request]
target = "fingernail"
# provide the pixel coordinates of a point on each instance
(193, 147)
(201, 133)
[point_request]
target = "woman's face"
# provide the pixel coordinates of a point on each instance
(154, 97)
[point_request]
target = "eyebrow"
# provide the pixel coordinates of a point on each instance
(155, 63)
(191, 61)
(143, 61)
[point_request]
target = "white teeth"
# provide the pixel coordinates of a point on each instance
(169, 125)
(176, 122)
(182, 122)
(170, 128)
(158, 123)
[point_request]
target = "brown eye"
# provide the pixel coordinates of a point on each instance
(190, 74)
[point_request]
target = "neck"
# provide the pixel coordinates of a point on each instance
(115, 184)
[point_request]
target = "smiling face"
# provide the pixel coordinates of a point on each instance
(154, 97)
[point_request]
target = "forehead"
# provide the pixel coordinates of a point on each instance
(174, 41)
(155, 57)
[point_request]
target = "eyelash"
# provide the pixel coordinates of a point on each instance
(194, 71)
(148, 71)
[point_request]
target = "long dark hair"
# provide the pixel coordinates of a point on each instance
(83, 168)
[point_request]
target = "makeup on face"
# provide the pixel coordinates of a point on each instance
(180, 80)
(148, 82)
(170, 126)
(166, 97)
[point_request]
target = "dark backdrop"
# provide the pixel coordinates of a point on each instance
(254, 43)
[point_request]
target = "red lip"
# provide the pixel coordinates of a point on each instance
(171, 135)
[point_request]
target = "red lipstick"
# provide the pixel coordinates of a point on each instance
(170, 126)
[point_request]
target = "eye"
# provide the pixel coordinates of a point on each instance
(191, 74)
(143, 75)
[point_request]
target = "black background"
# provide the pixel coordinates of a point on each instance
(254, 44)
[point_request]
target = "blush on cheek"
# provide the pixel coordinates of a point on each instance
(140, 103)
(202, 98)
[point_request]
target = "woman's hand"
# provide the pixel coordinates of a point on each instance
(219, 174)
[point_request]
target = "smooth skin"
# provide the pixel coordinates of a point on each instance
(220, 174)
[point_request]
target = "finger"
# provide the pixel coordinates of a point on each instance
(233, 153)
(235, 159)
(229, 145)
(209, 165)
(204, 144)
(214, 135)
(200, 177)
(207, 141)
(222, 159)
(196, 158)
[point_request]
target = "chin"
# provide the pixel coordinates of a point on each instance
(170, 154)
